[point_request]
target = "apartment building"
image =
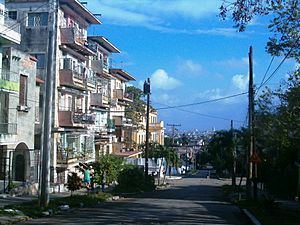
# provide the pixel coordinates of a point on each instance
(102, 99)
(19, 94)
(120, 99)
(156, 130)
(73, 120)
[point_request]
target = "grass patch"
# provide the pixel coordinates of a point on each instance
(33, 210)
(269, 213)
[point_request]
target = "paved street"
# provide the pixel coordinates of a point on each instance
(191, 200)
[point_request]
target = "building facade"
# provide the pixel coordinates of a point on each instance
(19, 95)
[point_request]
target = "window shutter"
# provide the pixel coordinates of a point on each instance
(23, 90)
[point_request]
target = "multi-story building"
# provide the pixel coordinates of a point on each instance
(101, 100)
(73, 121)
(19, 93)
(156, 130)
(119, 100)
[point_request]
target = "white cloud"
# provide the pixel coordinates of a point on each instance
(161, 80)
(157, 14)
(184, 8)
(240, 81)
(227, 32)
(234, 62)
(189, 67)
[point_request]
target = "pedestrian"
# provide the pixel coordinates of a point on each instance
(87, 177)
(92, 174)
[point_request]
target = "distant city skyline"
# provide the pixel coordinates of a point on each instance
(189, 55)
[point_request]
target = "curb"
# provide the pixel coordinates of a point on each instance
(252, 218)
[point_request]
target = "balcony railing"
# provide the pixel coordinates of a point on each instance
(75, 75)
(8, 128)
(76, 39)
(9, 80)
(9, 30)
(121, 121)
(155, 126)
(97, 66)
(69, 156)
(74, 119)
(98, 99)
(11, 24)
(120, 94)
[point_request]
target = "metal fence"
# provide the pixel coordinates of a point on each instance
(12, 168)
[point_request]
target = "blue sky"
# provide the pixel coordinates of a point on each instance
(190, 56)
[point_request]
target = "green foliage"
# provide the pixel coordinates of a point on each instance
(107, 169)
(132, 179)
(74, 182)
(278, 132)
(136, 109)
(284, 22)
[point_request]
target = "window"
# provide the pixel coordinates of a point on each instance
(23, 90)
(37, 19)
(12, 15)
(41, 60)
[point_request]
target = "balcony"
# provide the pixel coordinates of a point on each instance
(68, 156)
(99, 100)
(121, 121)
(9, 81)
(71, 76)
(156, 126)
(74, 119)
(9, 31)
(120, 94)
(8, 128)
(97, 66)
(76, 39)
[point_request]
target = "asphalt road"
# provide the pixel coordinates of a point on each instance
(191, 200)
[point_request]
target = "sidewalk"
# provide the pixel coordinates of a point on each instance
(6, 199)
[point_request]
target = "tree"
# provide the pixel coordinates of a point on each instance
(284, 22)
(136, 109)
(107, 169)
(278, 132)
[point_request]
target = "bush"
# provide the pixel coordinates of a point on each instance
(132, 179)
(74, 182)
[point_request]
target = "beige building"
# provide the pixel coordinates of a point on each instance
(156, 130)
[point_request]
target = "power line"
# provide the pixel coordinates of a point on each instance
(199, 103)
(204, 115)
(264, 77)
(16, 24)
(280, 64)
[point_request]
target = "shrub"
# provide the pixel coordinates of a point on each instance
(74, 182)
(132, 179)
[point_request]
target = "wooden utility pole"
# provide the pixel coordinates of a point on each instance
(252, 166)
(233, 155)
(147, 92)
(47, 107)
(173, 130)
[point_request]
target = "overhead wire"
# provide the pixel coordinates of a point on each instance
(201, 114)
(16, 24)
(204, 102)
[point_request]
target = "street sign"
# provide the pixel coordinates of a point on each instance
(254, 158)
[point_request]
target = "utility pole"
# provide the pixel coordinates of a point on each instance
(233, 155)
(47, 107)
(173, 130)
(147, 91)
(252, 166)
